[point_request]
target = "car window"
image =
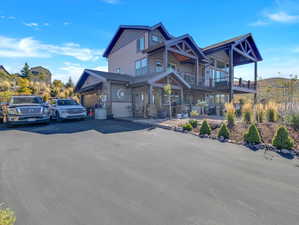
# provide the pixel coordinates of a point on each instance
(66, 102)
(26, 100)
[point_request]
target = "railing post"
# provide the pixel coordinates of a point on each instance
(231, 74)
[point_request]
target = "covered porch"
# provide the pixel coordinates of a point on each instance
(151, 101)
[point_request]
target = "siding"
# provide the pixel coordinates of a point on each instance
(157, 33)
(124, 54)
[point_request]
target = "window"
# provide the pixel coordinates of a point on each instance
(140, 44)
(117, 70)
(141, 66)
(156, 38)
(171, 66)
(159, 67)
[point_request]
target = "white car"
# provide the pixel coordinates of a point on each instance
(62, 109)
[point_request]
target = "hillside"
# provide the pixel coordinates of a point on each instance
(4, 74)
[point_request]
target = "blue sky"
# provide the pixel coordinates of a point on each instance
(67, 36)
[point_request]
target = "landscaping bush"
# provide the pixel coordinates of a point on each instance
(247, 113)
(7, 216)
(193, 123)
(187, 127)
(194, 113)
(260, 113)
(294, 121)
(272, 112)
(282, 140)
(252, 136)
(230, 114)
(223, 131)
(205, 128)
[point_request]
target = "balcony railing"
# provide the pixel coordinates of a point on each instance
(220, 82)
(239, 82)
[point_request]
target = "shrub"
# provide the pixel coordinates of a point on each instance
(294, 121)
(187, 127)
(7, 216)
(193, 123)
(230, 114)
(252, 136)
(205, 128)
(260, 113)
(247, 113)
(272, 112)
(194, 113)
(223, 131)
(282, 140)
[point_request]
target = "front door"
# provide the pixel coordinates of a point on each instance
(138, 102)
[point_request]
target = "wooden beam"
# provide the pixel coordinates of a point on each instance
(244, 54)
(182, 53)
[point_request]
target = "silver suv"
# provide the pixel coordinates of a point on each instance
(26, 109)
(62, 109)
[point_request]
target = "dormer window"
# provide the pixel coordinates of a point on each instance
(156, 38)
(140, 44)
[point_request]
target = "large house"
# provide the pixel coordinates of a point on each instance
(143, 59)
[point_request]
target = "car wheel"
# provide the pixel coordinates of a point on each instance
(58, 118)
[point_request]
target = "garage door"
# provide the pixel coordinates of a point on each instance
(121, 109)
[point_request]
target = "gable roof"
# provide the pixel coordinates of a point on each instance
(121, 28)
(227, 43)
(137, 80)
(190, 40)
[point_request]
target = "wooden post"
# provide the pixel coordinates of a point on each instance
(197, 73)
(182, 96)
(231, 74)
(165, 60)
(150, 94)
(255, 82)
(109, 99)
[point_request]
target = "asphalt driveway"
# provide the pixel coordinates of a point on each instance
(120, 173)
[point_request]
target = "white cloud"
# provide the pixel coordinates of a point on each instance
(259, 23)
(29, 47)
(111, 1)
(8, 17)
(31, 24)
(74, 70)
(283, 17)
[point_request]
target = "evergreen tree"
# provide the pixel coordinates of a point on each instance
(205, 128)
(253, 135)
(282, 140)
(70, 83)
(26, 70)
(223, 131)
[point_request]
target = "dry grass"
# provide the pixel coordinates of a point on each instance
(272, 111)
(230, 114)
(247, 113)
(260, 113)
